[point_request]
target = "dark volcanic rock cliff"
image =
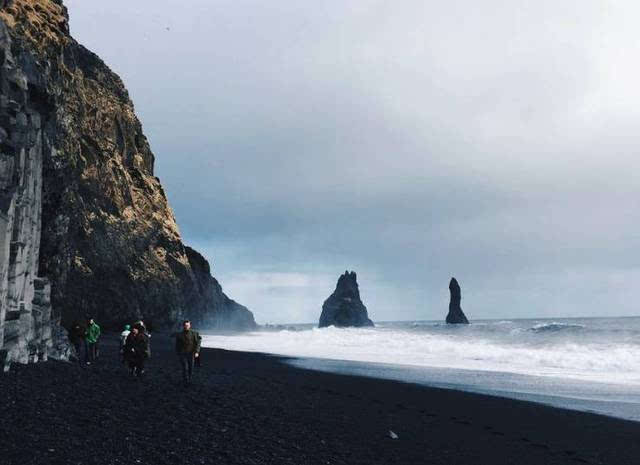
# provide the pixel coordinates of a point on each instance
(344, 307)
(227, 314)
(102, 231)
(455, 315)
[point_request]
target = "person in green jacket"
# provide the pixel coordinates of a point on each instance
(92, 336)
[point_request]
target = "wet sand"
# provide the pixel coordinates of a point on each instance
(246, 408)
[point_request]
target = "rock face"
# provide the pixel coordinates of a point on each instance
(455, 315)
(344, 307)
(79, 203)
(28, 329)
(211, 307)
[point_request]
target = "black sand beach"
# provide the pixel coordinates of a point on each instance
(253, 409)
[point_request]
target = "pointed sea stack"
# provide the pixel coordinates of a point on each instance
(456, 315)
(344, 308)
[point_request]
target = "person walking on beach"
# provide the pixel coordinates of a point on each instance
(188, 349)
(76, 336)
(92, 336)
(136, 351)
(143, 329)
(123, 340)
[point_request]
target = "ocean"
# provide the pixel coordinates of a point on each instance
(589, 364)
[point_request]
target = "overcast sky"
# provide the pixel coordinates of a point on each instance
(493, 141)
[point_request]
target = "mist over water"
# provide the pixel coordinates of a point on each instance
(588, 363)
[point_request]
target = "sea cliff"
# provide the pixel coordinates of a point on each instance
(85, 225)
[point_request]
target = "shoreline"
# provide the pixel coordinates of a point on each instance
(580, 365)
(571, 394)
(251, 408)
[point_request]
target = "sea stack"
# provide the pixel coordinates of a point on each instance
(344, 308)
(455, 315)
(85, 226)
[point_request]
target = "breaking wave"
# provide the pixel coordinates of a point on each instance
(555, 327)
(560, 349)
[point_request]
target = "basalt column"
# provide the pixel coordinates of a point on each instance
(26, 324)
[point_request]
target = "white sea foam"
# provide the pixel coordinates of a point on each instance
(541, 349)
(555, 326)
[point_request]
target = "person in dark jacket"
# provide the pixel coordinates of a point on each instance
(143, 329)
(136, 351)
(76, 336)
(188, 349)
